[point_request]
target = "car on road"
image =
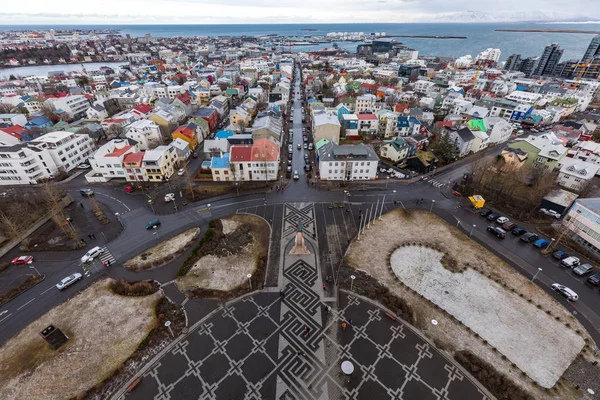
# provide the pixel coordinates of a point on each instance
(181, 172)
(529, 237)
(518, 231)
(296, 176)
(493, 217)
(565, 291)
(68, 281)
(299, 146)
(550, 213)
(307, 167)
(86, 192)
(129, 189)
(499, 232)
(22, 260)
(594, 279)
(485, 212)
(169, 197)
(560, 255)
(570, 262)
(153, 223)
(502, 220)
(583, 269)
(91, 254)
(508, 226)
(541, 243)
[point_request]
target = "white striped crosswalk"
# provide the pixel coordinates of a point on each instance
(433, 182)
(105, 257)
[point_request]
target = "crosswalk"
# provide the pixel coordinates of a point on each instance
(433, 182)
(98, 263)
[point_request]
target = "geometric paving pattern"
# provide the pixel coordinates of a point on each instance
(266, 347)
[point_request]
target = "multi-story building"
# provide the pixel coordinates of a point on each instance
(107, 161)
(365, 103)
(325, 126)
(368, 124)
(583, 222)
(347, 162)
(24, 164)
(134, 167)
(67, 149)
(74, 106)
(146, 133)
(576, 174)
(593, 50)
(513, 63)
(548, 60)
(160, 163)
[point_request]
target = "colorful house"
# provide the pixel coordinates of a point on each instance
(188, 133)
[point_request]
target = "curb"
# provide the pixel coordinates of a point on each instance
(24, 291)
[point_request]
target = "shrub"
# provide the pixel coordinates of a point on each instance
(134, 288)
(212, 224)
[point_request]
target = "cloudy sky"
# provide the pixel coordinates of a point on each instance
(271, 11)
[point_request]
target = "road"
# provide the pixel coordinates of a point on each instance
(134, 214)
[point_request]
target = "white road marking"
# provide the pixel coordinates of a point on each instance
(117, 200)
(3, 312)
(5, 317)
(26, 304)
(50, 288)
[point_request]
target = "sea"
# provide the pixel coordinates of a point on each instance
(479, 35)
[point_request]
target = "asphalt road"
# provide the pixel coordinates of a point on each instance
(134, 215)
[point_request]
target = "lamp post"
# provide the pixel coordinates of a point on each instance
(375, 213)
(156, 231)
(237, 188)
(387, 180)
(382, 203)
(352, 278)
(394, 196)
(249, 276)
(551, 243)
(536, 274)
(151, 206)
(472, 230)
(30, 263)
(432, 203)
(168, 325)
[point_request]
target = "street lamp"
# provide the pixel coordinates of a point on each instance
(33, 266)
(382, 203)
(151, 206)
(345, 195)
(536, 274)
(551, 243)
(168, 325)
(156, 231)
(394, 196)
(237, 188)
(432, 203)
(386, 182)
(472, 230)
(117, 215)
(249, 276)
(352, 277)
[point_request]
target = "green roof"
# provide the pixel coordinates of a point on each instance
(477, 125)
(321, 143)
(426, 157)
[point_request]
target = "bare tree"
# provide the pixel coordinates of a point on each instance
(10, 226)
(53, 197)
(114, 131)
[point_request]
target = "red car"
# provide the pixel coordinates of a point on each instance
(129, 189)
(22, 260)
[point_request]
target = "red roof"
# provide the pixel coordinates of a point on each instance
(119, 152)
(368, 86)
(240, 153)
(15, 131)
(401, 107)
(366, 117)
(143, 108)
(185, 130)
(264, 147)
(185, 98)
(134, 158)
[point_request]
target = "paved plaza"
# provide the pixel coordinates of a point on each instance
(265, 346)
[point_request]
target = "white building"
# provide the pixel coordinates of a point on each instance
(67, 149)
(25, 164)
(347, 162)
(499, 129)
(423, 86)
(75, 106)
(365, 103)
(146, 133)
(107, 161)
(13, 119)
(489, 54)
(576, 174)
(160, 163)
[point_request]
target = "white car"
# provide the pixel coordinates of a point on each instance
(68, 281)
(169, 197)
(181, 172)
(296, 176)
(565, 291)
(91, 254)
(84, 165)
(502, 220)
(550, 213)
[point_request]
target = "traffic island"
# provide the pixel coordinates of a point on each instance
(104, 330)
(231, 250)
(416, 251)
(164, 252)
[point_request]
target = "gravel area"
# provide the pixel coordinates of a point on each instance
(159, 254)
(104, 329)
(507, 321)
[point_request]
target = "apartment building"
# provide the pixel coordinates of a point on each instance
(67, 149)
(583, 221)
(74, 106)
(23, 164)
(146, 133)
(160, 163)
(107, 161)
(347, 162)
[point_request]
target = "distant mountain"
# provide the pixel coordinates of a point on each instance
(480, 16)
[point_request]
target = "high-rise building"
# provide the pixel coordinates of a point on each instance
(528, 65)
(565, 69)
(593, 49)
(548, 60)
(513, 62)
(489, 54)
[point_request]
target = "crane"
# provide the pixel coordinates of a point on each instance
(584, 68)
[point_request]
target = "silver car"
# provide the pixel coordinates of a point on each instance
(68, 281)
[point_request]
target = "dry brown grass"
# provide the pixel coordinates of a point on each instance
(163, 251)
(400, 227)
(104, 330)
(225, 270)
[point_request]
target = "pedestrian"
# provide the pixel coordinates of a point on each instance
(324, 287)
(104, 264)
(328, 308)
(299, 353)
(344, 326)
(81, 205)
(421, 199)
(83, 240)
(108, 262)
(281, 294)
(306, 330)
(89, 236)
(94, 236)
(350, 321)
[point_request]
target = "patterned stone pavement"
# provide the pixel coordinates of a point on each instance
(266, 347)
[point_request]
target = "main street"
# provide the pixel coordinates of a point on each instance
(134, 239)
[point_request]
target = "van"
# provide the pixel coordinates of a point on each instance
(570, 262)
(508, 226)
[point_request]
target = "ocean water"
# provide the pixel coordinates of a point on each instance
(479, 35)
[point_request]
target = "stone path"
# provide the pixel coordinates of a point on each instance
(264, 346)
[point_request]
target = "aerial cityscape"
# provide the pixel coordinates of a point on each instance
(299, 207)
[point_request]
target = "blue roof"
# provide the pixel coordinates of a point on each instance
(204, 112)
(220, 162)
(413, 120)
(41, 120)
(224, 134)
(403, 122)
(310, 101)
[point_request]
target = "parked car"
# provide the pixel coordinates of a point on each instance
(91, 254)
(86, 192)
(305, 146)
(153, 223)
(22, 260)
(485, 212)
(560, 255)
(307, 167)
(518, 231)
(541, 243)
(296, 176)
(502, 220)
(169, 197)
(550, 213)
(508, 226)
(181, 172)
(583, 269)
(290, 148)
(570, 262)
(310, 146)
(499, 232)
(68, 281)
(529, 237)
(289, 162)
(129, 189)
(493, 217)
(594, 279)
(289, 168)
(565, 291)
